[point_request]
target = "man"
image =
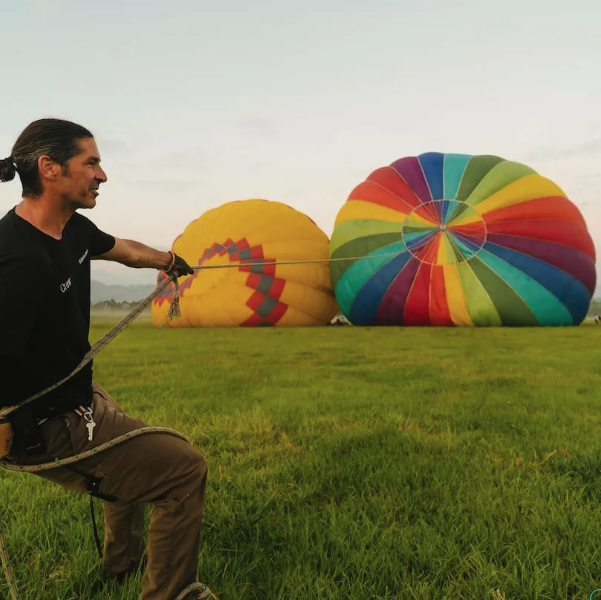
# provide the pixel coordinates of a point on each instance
(45, 252)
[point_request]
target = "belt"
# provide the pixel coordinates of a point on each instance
(80, 410)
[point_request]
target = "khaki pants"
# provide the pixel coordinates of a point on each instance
(153, 468)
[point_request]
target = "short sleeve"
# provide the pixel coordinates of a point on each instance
(100, 242)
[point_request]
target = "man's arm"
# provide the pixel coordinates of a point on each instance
(137, 255)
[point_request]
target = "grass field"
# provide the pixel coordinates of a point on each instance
(356, 463)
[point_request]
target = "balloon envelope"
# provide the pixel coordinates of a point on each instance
(453, 239)
(243, 234)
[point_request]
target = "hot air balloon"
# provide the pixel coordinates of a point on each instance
(454, 239)
(244, 234)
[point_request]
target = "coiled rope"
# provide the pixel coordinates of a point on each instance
(174, 312)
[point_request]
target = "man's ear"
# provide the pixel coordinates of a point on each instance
(49, 169)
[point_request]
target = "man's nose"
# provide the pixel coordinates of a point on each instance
(101, 176)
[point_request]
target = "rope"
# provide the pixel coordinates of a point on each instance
(174, 311)
(251, 262)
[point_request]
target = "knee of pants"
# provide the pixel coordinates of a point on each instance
(195, 479)
(202, 466)
(190, 480)
(198, 469)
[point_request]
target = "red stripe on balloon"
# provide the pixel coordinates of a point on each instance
(376, 194)
(475, 229)
(389, 179)
(550, 209)
(417, 307)
(427, 212)
(431, 250)
(440, 315)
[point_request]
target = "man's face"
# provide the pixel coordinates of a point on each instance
(81, 177)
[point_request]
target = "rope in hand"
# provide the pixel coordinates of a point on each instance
(174, 312)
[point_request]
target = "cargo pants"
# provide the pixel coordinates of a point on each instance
(154, 468)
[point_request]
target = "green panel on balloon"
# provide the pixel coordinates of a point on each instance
(479, 305)
(508, 304)
(352, 230)
(476, 169)
(500, 176)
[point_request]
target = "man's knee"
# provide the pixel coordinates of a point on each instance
(196, 466)
(201, 466)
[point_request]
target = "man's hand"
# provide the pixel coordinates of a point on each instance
(179, 267)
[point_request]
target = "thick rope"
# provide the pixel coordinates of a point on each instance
(251, 262)
(174, 312)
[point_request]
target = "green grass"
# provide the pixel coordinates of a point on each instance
(357, 463)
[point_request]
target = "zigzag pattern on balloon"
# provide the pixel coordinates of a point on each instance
(264, 302)
(475, 241)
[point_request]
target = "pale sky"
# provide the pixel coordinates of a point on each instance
(195, 103)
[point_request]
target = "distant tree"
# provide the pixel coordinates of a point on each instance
(113, 305)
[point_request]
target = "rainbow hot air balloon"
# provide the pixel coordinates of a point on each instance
(453, 239)
(245, 234)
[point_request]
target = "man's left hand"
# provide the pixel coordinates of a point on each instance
(180, 267)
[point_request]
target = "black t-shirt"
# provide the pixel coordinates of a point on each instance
(45, 311)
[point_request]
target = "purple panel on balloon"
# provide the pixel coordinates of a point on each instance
(392, 305)
(410, 170)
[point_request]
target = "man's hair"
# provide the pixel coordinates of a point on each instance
(55, 138)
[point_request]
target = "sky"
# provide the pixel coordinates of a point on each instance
(197, 103)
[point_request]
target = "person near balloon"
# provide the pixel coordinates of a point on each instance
(45, 251)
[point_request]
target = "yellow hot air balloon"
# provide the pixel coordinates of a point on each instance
(245, 233)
